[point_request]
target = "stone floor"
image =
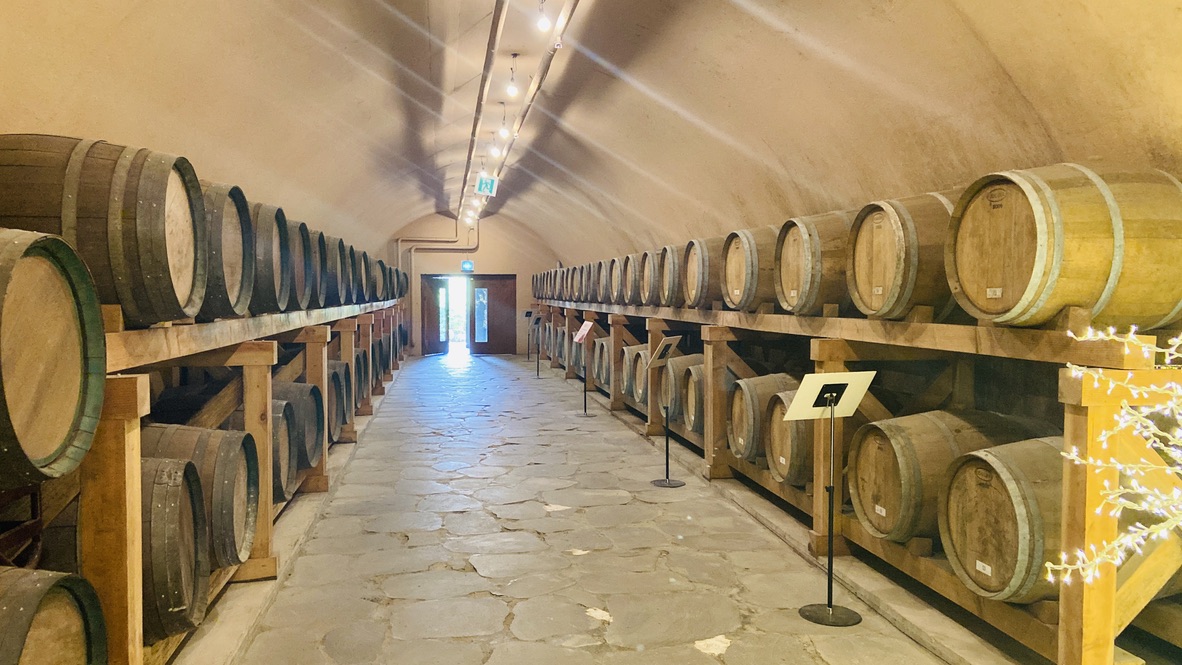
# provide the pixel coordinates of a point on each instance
(482, 521)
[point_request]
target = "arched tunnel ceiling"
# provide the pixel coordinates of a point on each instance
(660, 119)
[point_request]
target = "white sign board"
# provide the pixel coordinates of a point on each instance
(486, 185)
(812, 397)
(583, 330)
(664, 351)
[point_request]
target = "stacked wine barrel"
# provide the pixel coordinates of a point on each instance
(1014, 247)
(160, 243)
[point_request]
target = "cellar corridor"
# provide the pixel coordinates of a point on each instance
(482, 521)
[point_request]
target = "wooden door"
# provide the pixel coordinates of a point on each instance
(434, 315)
(492, 314)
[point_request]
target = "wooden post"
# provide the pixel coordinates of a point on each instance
(392, 364)
(315, 340)
(618, 339)
(256, 405)
(365, 343)
(400, 319)
(379, 335)
(656, 418)
(109, 512)
(555, 315)
(572, 326)
(716, 352)
(347, 331)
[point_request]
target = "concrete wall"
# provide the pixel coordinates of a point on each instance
(506, 248)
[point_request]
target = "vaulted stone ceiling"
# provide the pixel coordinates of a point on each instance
(660, 119)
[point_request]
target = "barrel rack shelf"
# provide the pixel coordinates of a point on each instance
(107, 483)
(1078, 628)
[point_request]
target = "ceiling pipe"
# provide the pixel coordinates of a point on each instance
(500, 11)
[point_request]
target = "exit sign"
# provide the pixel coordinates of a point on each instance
(467, 266)
(486, 185)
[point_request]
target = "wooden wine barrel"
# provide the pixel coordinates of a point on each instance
(135, 216)
(1000, 514)
(630, 280)
(231, 252)
(702, 264)
(896, 466)
(671, 291)
(810, 263)
(356, 293)
(361, 378)
(52, 358)
(50, 618)
(789, 444)
(336, 406)
(228, 465)
(371, 287)
(307, 431)
(615, 280)
(339, 286)
(561, 342)
(604, 291)
(175, 548)
(392, 280)
(284, 452)
(693, 402)
(272, 267)
(639, 370)
(748, 268)
(650, 278)
(895, 256)
(672, 388)
(385, 288)
(1025, 244)
(320, 274)
(749, 427)
(630, 354)
(403, 284)
(345, 376)
(601, 367)
(299, 241)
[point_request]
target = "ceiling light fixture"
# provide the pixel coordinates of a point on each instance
(494, 149)
(543, 20)
(511, 89)
(504, 130)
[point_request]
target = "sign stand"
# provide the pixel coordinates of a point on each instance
(835, 395)
(666, 481)
(580, 337)
(537, 348)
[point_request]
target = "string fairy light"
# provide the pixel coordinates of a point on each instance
(1145, 511)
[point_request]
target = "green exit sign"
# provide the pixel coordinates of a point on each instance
(486, 185)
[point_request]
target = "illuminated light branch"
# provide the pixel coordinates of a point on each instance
(1157, 512)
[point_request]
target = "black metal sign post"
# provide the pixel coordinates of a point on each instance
(667, 481)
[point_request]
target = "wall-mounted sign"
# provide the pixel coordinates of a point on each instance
(486, 185)
(467, 266)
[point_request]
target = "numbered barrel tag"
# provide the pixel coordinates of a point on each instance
(985, 568)
(880, 510)
(993, 292)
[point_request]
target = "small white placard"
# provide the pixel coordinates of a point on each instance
(583, 330)
(985, 568)
(880, 510)
(993, 293)
(664, 351)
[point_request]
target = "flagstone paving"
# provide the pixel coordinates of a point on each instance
(481, 522)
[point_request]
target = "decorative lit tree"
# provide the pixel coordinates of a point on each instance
(1145, 513)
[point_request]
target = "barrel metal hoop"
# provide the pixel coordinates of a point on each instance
(116, 252)
(1038, 193)
(1118, 237)
(900, 295)
(71, 190)
(1177, 310)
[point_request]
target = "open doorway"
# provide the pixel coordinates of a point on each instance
(457, 313)
(469, 314)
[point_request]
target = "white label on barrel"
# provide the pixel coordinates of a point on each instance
(993, 293)
(740, 440)
(880, 510)
(737, 292)
(985, 568)
(878, 290)
(782, 460)
(792, 293)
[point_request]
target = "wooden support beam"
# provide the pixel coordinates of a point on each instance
(589, 351)
(656, 417)
(846, 350)
(109, 511)
(717, 356)
(573, 321)
(259, 352)
(256, 415)
(346, 335)
(619, 336)
(365, 342)
(556, 318)
(316, 355)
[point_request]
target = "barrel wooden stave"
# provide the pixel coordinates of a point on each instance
(155, 267)
(639, 370)
(650, 278)
(230, 282)
(227, 464)
(810, 267)
(345, 375)
(895, 256)
(320, 275)
(749, 399)
(1025, 244)
(284, 453)
(339, 283)
(896, 466)
(308, 426)
(175, 548)
(50, 618)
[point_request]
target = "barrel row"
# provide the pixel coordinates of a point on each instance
(1014, 247)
